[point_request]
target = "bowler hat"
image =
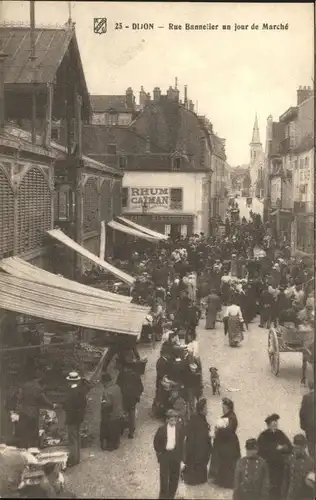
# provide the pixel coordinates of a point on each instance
(272, 418)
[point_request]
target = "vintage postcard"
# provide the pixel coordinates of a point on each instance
(157, 250)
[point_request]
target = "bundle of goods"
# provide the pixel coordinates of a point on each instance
(90, 355)
(49, 431)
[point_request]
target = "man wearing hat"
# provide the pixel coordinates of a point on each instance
(274, 446)
(297, 468)
(306, 415)
(74, 406)
(169, 448)
(251, 475)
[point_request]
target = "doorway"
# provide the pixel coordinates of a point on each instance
(175, 231)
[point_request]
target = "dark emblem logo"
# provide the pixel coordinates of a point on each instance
(100, 25)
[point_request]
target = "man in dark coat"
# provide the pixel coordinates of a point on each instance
(74, 406)
(212, 308)
(169, 448)
(251, 475)
(307, 422)
(30, 399)
(274, 446)
(131, 385)
(296, 469)
(111, 414)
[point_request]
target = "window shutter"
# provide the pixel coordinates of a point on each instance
(34, 211)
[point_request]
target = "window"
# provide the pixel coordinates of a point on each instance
(306, 162)
(176, 198)
(98, 119)
(301, 163)
(176, 164)
(55, 134)
(124, 197)
(62, 205)
(112, 119)
(111, 149)
(123, 162)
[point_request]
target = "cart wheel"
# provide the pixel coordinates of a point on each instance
(274, 351)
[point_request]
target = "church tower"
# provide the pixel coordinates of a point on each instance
(256, 159)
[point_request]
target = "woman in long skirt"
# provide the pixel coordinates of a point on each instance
(235, 322)
(226, 448)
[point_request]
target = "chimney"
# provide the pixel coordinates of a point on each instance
(142, 97)
(191, 106)
(148, 98)
(2, 100)
(130, 100)
(185, 96)
(303, 93)
(170, 93)
(156, 94)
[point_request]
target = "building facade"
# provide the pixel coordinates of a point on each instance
(113, 110)
(289, 188)
(169, 202)
(166, 135)
(86, 191)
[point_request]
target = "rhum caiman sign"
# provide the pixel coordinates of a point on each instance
(152, 197)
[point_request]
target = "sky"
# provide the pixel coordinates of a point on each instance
(231, 75)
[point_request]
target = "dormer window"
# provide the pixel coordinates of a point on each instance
(176, 164)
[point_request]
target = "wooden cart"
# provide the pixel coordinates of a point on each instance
(287, 338)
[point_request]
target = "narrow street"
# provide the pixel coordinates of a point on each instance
(132, 472)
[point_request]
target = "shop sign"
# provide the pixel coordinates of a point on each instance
(275, 191)
(152, 197)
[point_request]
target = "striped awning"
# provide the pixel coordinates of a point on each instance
(47, 302)
(22, 269)
(63, 238)
(133, 232)
(143, 229)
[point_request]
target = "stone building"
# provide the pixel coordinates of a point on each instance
(289, 187)
(113, 109)
(177, 161)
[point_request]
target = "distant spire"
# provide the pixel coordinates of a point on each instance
(255, 132)
(176, 83)
(69, 14)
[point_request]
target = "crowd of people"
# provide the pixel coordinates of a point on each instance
(230, 278)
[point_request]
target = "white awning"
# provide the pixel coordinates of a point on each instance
(143, 229)
(128, 230)
(24, 270)
(44, 301)
(63, 238)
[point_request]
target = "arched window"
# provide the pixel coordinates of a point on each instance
(6, 217)
(34, 210)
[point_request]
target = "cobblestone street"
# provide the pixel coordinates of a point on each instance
(132, 472)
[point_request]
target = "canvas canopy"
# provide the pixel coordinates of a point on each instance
(22, 269)
(133, 232)
(44, 301)
(143, 229)
(63, 238)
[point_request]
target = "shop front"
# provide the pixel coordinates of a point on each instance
(167, 224)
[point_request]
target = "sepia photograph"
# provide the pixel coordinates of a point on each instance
(157, 286)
